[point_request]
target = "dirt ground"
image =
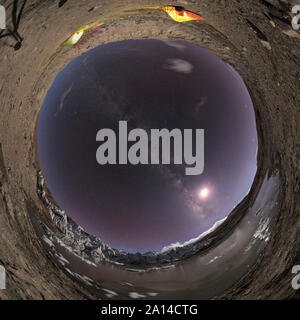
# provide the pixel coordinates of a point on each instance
(254, 36)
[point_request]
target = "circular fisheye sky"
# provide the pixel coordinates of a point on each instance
(151, 84)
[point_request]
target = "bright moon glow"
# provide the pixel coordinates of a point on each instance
(204, 193)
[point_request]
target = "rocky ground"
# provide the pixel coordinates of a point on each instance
(254, 36)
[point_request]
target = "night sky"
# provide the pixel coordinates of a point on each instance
(151, 84)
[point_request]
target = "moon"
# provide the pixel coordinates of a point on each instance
(204, 193)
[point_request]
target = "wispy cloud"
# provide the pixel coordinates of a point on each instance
(174, 44)
(64, 96)
(179, 65)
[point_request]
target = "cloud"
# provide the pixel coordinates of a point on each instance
(174, 44)
(193, 240)
(201, 103)
(179, 65)
(64, 97)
